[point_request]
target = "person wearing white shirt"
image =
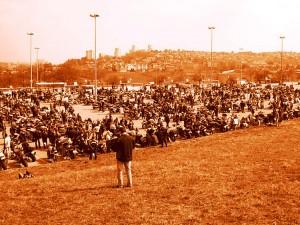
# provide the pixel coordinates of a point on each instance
(107, 135)
(7, 150)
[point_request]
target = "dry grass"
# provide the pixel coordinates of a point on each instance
(248, 176)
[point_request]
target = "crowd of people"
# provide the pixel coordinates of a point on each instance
(167, 113)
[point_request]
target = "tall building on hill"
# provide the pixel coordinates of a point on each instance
(89, 54)
(133, 48)
(117, 52)
(150, 48)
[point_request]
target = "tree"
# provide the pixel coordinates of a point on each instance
(69, 71)
(112, 79)
(198, 77)
(160, 79)
(261, 75)
(231, 80)
(22, 75)
(276, 77)
(46, 71)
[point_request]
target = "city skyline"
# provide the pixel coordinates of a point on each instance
(64, 30)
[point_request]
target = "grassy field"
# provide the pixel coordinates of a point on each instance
(249, 176)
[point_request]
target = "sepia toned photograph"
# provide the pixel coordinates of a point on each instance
(149, 112)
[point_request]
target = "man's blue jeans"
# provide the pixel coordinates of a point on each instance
(120, 167)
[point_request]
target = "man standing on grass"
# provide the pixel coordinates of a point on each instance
(124, 146)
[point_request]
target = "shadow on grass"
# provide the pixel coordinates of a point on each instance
(91, 189)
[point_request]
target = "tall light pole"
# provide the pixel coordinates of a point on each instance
(95, 15)
(156, 76)
(211, 46)
(241, 75)
(30, 35)
(37, 64)
(281, 71)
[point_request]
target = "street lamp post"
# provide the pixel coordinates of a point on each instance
(241, 75)
(281, 71)
(37, 64)
(156, 75)
(95, 15)
(30, 35)
(211, 46)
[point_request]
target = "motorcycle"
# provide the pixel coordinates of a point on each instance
(64, 146)
(288, 115)
(19, 155)
(184, 133)
(102, 147)
(80, 146)
(3, 161)
(132, 114)
(2, 129)
(173, 135)
(296, 113)
(29, 152)
(67, 151)
(93, 148)
(52, 154)
(206, 130)
(141, 141)
(95, 105)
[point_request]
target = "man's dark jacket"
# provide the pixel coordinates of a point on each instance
(124, 147)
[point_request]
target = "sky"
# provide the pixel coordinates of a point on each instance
(63, 29)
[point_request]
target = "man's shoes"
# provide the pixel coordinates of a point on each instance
(121, 186)
(21, 176)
